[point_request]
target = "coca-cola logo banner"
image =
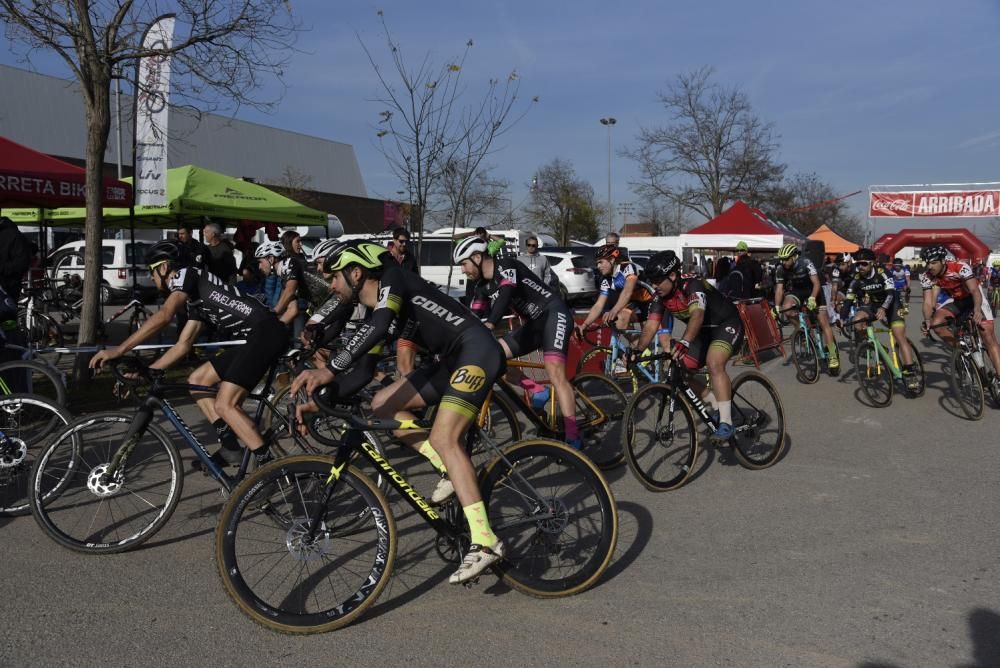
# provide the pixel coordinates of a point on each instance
(927, 203)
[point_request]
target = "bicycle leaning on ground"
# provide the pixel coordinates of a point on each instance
(109, 481)
(660, 438)
(307, 543)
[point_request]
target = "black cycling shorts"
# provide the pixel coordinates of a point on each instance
(728, 336)
(891, 314)
(550, 333)
(245, 365)
(802, 296)
(461, 381)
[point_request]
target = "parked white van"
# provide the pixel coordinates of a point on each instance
(116, 258)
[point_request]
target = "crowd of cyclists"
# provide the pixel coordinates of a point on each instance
(353, 300)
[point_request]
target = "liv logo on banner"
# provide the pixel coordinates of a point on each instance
(947, 203)
(151, 115)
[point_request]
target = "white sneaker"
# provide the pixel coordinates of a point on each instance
(477, 560)
(444, 491)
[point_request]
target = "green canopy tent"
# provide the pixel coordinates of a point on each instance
(192, 193)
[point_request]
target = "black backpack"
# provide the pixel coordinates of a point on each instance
(732, 285)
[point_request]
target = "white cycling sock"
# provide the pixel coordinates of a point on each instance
(726, 412)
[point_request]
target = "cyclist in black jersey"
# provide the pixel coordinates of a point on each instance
(208, 300)
(273, 259)
(506, 284)
(796, 283)
(470, 360)
(874, 292)
(713, 333)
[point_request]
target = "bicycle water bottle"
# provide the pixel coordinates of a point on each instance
(977, 357)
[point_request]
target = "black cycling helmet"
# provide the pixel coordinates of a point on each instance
(167, 251)
(897, 260)
(662, 264)
(931, 253)
(608, 252)
(864, 255)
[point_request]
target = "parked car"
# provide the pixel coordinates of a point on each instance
(116, 279)
(575, 274)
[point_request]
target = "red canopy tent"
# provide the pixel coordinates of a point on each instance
(741, 222)
(32, 179)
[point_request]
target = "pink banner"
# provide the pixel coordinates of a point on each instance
(928, 203)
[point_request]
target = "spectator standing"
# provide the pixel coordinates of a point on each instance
(399, 250)
(15, 258)
(536, 262)
(219, 258)
(195, 249)
(612, 239)
(753, 273)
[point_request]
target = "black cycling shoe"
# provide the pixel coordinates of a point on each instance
(263, 456)
(222, 457)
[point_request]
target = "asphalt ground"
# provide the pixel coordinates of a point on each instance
(873, 542)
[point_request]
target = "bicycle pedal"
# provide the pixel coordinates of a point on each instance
(469, 584)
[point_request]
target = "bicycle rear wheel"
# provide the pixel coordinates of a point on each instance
(280, 577)
(661, 446)
(966, 384)
(555, 514)
(76, 504)
(758, 421)
(27, 422)
(874, 376)
(26, 377)
(805, 358)
(601, 435)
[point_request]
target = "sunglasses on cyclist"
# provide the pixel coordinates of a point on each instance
(863, 264)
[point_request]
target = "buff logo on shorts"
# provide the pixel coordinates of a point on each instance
(468, 378)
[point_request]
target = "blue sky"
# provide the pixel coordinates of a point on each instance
(859, 92)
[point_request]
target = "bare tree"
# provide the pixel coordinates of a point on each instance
(463, 200)
(807, 202)
(425, 132)
(563, 204)
(715, 150)
(296, 185)
(225, 51)
(667, 218)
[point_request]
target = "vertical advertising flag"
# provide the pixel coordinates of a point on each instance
(151, 101)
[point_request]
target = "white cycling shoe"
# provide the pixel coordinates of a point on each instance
(477, 560)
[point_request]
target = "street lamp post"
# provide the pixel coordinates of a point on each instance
(609, 121)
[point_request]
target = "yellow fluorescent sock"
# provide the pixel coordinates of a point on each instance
(432, 456)
(479, 525)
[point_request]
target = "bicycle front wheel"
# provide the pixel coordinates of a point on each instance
(80, 506)
(293, 556)
(27, 423)
(661, 445)
(555, 514)
(966, 385)
(758, 421)
(805, 358)
(598, 361)
(874, 375)
(600, 406)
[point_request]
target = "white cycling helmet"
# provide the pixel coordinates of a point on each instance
(322, 249)
(466, 247)
(269, 249)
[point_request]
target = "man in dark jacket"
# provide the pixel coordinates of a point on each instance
(399, 250)
(15, 258)
(751, 270)
(219, 258)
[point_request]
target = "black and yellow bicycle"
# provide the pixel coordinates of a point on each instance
(307, 543)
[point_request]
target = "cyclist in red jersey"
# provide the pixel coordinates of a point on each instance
(967, 297)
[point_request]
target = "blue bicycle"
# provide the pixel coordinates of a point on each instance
(809, 353)
(610, 359)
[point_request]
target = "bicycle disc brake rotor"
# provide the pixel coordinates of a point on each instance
(301, 547)
(100, 484)
(559, 516)
(12, 452)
